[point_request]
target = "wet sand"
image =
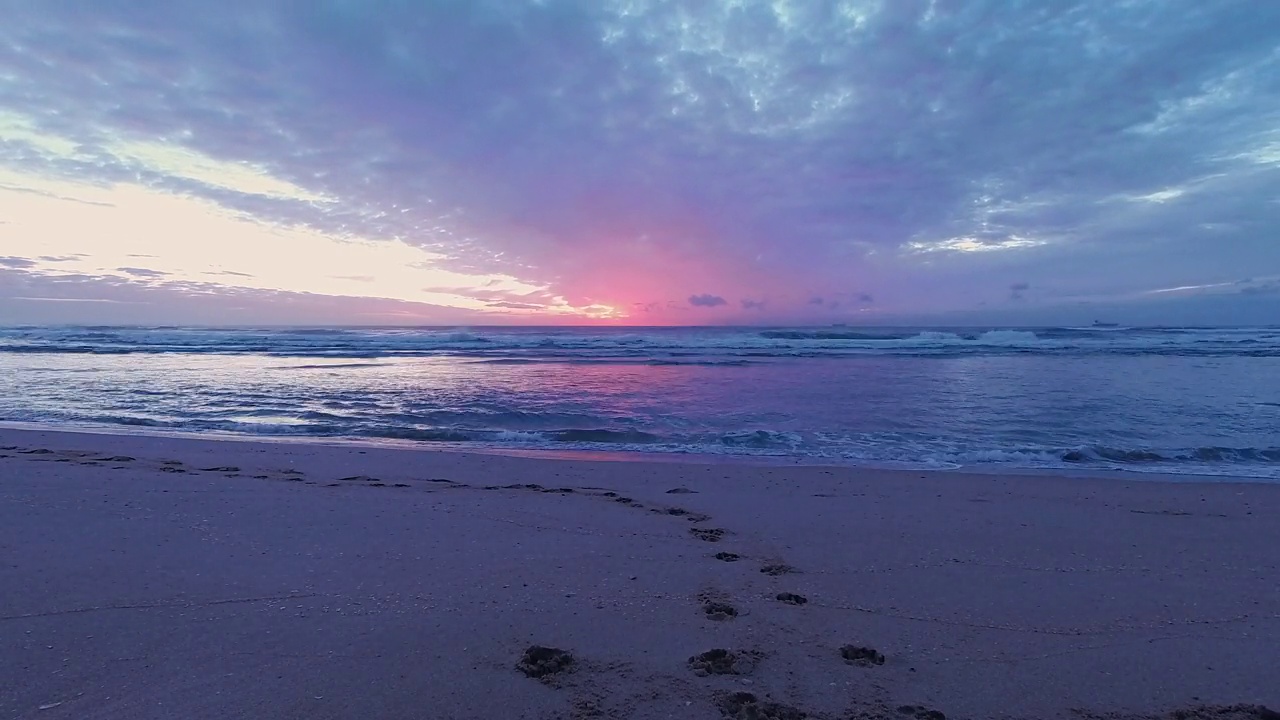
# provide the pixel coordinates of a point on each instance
(146, 577)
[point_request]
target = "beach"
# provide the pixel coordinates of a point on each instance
(165, 577)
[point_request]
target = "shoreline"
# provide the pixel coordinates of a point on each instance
(151, 577)
(1155, 474)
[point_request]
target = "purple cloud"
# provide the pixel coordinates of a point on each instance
(707, 301)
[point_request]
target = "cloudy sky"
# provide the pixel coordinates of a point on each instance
(639, 161)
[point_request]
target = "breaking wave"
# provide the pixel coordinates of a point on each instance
(658, 346)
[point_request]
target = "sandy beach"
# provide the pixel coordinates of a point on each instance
(150, 577)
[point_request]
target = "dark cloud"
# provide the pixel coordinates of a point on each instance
(1018, 291)
(538, 298)
(17, 262)
(1090, 146)
(754, 304)
(45, 193)
(707, 300)
(816, 300)
(517, 306)
(62, 258)
(143, 272)
(1271, 287)
(865, 299)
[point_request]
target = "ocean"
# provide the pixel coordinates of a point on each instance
(1170, 400)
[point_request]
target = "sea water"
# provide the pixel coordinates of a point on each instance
(1171, 400)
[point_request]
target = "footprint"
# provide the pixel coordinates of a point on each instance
(776, 569)
(720, 611)
(681, 491)
(719, 661)
(37, 451)
(920, 712)
(745, 706)
(861, 656)
(792, 598)
(542, 663)
(227, 469)
(728, 556)
(708, 534)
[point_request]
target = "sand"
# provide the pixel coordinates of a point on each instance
(145, 577)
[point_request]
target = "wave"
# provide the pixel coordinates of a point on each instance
(696, 346)
(657, 347)
(830, 335)
(533, 430)
(1209, 454)
(331, 366)
(629, 437)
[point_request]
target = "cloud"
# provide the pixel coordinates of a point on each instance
(143, 272)
(517, 306)
(754, 304)
(17, 262)
(707, 300)
(1263, 287)
(38, 297)
(924, 145)
(1018, 291)
(865, 299)
(817, 300)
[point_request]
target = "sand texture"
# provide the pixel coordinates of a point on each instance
(145, 577)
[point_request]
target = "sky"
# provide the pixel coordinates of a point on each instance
(646, 162)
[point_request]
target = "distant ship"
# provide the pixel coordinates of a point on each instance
(1100, 324)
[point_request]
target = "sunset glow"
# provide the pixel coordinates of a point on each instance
(638, 163)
